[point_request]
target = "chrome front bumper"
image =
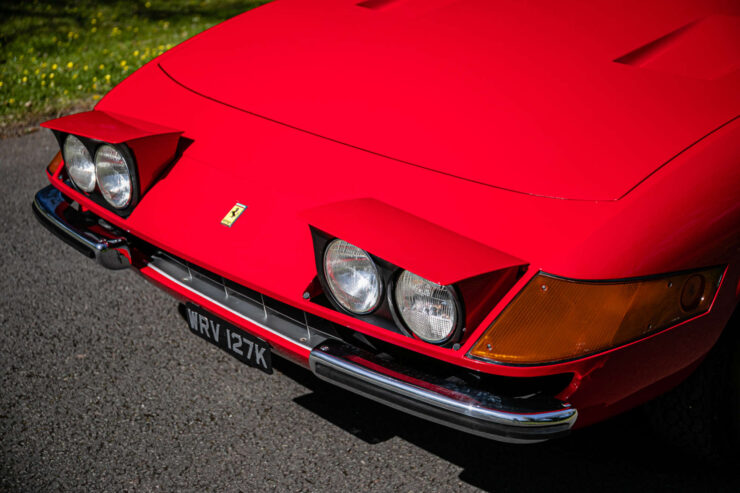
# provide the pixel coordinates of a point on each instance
(456, 405)
(110, 251)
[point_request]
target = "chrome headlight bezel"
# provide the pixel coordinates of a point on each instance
(333, 288)
(128, 173)
(455, 299)
(73, 140)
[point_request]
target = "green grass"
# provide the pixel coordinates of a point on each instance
(62, 56)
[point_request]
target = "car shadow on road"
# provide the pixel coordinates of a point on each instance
(619, 455)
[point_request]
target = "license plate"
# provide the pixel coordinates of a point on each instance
(244, 347)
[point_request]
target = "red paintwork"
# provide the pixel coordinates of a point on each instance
(443, 257)
(523, 97)
(108, 127)
(519, 95)
(684, 51)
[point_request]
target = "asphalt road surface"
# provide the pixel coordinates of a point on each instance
(103, 388)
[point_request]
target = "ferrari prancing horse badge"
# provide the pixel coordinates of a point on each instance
(233, 214)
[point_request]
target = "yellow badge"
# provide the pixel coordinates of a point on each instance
(233, 214)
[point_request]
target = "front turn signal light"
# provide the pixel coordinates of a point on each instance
(555, 319)
(54, 164)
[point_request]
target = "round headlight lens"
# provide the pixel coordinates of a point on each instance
(114, 178)
(79, 163)
(429, 309)
(352, 277)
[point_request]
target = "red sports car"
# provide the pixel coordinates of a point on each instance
(511, 218)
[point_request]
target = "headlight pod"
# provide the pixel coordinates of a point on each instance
(113, 176)
(556, 319)
(352, 277)
(428, 309)
(79, 163)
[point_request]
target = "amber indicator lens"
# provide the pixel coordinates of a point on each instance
(692, 292)
(54, 164)
(556, 319)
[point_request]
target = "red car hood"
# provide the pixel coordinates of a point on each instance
(577, 100)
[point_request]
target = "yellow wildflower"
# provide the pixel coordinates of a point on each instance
(94, 29)
(11, 100)
(101, 66)
(148, 4)
(136, 53)
(1, 83)
(51, 76)
(123, 63)
(107, 77)
(24, 80)
(70, 64)
(54, 67)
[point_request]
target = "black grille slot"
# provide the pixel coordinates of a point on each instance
(285, 319)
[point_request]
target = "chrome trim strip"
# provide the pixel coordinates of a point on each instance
(463, 408)
(112, 253)
(222, 304)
